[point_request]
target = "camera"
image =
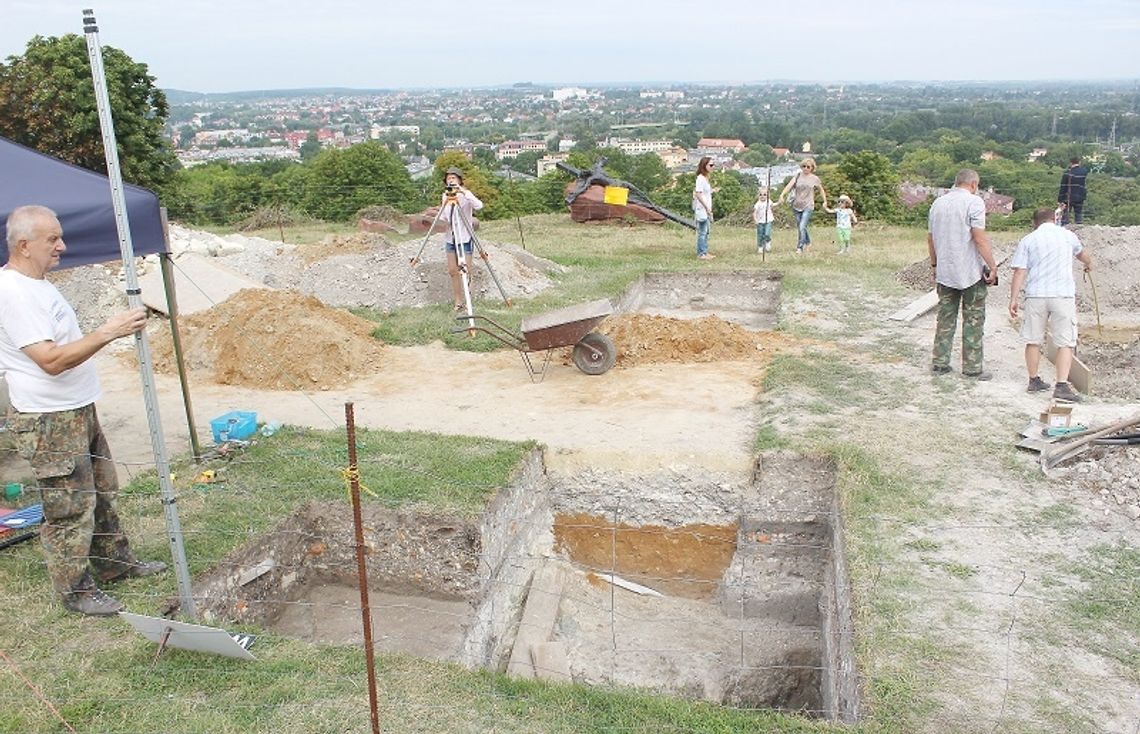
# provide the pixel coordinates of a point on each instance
(986, 274)
(451, 189)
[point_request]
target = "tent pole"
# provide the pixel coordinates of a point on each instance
(165, 260)
(134, 299)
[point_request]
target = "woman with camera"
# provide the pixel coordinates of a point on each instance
(458, 204)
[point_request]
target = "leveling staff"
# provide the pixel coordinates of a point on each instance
(54, 386)
(458, 205)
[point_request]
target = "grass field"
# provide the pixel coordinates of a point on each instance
(98, 676)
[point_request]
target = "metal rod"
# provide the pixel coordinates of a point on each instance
(134, 300)
(482, 253)
(361, 568)
(165, 261)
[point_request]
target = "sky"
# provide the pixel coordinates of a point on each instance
(236, 45)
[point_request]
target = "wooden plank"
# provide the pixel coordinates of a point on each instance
(916, 308)
(199, 283)
(550, 661)
(1079, 375)
(538, 617)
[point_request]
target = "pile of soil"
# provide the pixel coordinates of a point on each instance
(274, 340)
(365, 269)
(645, 339)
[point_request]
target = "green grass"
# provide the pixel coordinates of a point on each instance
(830, 402)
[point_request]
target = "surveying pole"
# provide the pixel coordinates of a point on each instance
(134, 300)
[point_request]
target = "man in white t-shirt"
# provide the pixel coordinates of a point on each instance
(53, 387)
(1043, 264)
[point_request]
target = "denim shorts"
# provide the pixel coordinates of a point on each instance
(450, 247)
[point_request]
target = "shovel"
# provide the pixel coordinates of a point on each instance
(1096, 302)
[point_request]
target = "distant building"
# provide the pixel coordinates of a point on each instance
(565, 93)
(549, 162)
(1037, 154)
(512, 148)
(912, 194)
(721, 145)
(378, 130)
(781, 152)
(673, 157)
(638, 147)
(565, 145)
(990, 155)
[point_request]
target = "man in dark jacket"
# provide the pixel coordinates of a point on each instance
(1072, 193)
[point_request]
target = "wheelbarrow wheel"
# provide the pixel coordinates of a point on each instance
(594, 353)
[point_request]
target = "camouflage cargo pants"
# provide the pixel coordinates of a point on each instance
(76, 478)
(972, 301)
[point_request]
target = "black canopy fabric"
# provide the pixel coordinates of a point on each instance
(82, 200)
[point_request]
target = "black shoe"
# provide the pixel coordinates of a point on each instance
(940, 369)
(1036, 384)
(979, 376)
(92, 602)
(1063, 392)
(135, 570)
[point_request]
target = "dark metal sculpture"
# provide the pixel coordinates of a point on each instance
(596, 176)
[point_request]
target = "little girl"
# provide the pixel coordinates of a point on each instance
(763, 216)
(844, 219)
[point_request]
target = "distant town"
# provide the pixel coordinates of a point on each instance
(540, 126)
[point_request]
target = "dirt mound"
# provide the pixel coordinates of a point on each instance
(274, 340)
(358, 243)
(918, 275)
(645, 339)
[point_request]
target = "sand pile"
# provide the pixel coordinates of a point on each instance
(645, 339)
(274, 340)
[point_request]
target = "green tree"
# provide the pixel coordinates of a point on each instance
(311, 147)
(47, 102)
(526, 162)
(474, 177)
(342, 182)
(870, 180)
(927, 166)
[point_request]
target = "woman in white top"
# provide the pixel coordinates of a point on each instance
(802, 199)
(458, 205)
(702, 207)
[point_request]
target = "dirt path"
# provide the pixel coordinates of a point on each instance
(652, 416)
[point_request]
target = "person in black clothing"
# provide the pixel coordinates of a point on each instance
(1072, 193)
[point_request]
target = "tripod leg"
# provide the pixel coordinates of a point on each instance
(463, 260)
(438, 216)
(478, 246)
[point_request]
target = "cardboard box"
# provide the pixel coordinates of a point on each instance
(1058, 416)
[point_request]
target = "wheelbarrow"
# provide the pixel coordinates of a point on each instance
(573, 326)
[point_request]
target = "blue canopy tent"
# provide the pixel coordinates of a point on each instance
(82, 200)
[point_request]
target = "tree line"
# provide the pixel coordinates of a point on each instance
(46, 102)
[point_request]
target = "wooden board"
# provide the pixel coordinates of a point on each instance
(538, 618)
(1079, 374)
(200, 283)
(916, 308)
(550, 661)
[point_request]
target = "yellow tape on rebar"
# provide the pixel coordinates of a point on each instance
(352, 473)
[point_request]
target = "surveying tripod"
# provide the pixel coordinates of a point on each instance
(455, 217)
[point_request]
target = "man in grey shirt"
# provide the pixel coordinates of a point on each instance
(959, 249)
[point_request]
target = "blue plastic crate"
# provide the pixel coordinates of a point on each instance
(236, 425)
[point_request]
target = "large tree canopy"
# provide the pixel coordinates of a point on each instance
(47, 102)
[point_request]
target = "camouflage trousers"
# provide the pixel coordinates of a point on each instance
(972, 301)
(75, 475)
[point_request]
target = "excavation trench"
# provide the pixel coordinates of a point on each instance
(687, 585)
(693, 585)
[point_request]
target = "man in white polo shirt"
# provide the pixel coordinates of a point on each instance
(1043, 264)
(53, 387)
